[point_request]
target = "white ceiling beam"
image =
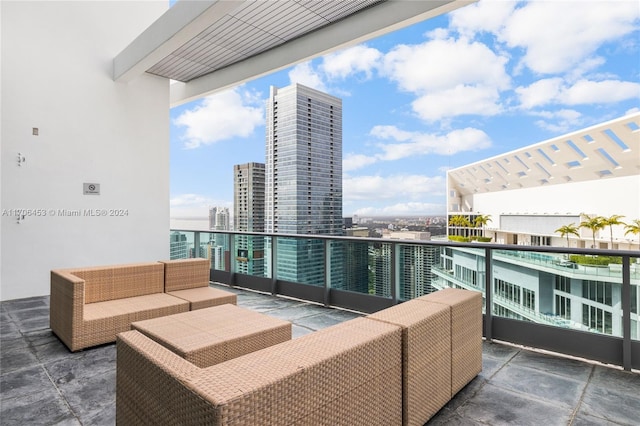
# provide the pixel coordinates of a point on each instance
(362, 26)
(181, 23)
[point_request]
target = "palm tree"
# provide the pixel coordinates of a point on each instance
(459, 220)
(481, 220)
(610, 222)
(633, 228)
(567, 230)
(594, 223)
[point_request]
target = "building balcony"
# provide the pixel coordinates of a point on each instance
(531, 296)
(536, 369)
(43, 383)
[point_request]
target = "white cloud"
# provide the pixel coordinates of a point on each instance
(449, 77)
(483, 16)
(356, 161)
(222, 116)
(608, 91)
(560, 35)
(583, 92)
(378, 187)
(559, 121)
(352, 61)
(539, 93)
(306, 75)
(459, 100)
(443, 64)
(416, 143)
(405, 144)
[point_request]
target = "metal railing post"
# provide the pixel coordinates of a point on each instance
(232, 261)
(626, 313)
(395, 273)
(274, 268)
(327, 272)
(488, 278)
(196, 244)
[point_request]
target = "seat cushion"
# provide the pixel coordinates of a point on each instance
(133, 306)
(205, 297)
(182, 274)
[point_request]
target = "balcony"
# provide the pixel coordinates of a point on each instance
(533, 295)
(538, 369)
(43, 383)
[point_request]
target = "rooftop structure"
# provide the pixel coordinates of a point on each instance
(531, 192)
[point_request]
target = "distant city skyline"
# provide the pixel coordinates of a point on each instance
(481, 81)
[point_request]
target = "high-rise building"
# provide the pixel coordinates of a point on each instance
(178, 247)
(416, 261)
(303, 174)
(219, 220)
(248, 203)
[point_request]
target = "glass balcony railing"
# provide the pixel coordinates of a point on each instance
(581, 303)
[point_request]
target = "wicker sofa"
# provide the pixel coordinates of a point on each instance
(188, 279)
(90, 306)
(398, 366)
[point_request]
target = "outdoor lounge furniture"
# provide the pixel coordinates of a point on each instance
(90, 306)
(188, 279)
(210, 336)
(347, 374)
(426, 357)
(466, 333)
(390, 368)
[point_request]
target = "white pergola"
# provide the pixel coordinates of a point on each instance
(209, 45)
(607, 150)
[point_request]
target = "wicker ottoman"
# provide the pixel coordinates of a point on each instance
(466, 333)
(209, 336)
(426, 357)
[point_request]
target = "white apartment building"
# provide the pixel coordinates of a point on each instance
(531, 192)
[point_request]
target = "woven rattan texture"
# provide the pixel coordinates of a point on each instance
(426, 353)
(112, 282)
(466, 333)
(150, 388)
(205, 297)
(288, 383)
(348, 374)
(66, 306)
(89, 306)
(209, 336)
(182, 274)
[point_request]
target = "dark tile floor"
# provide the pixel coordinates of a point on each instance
(42, 383)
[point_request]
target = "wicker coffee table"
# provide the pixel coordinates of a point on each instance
(209, 336)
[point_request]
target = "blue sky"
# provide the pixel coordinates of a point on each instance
(481, 81)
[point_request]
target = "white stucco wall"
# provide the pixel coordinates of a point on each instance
(604, 197)
(56, 76)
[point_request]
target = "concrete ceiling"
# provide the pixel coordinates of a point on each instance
(209, 45)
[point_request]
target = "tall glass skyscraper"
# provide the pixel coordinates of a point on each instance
(303, 174)
(248, 202)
